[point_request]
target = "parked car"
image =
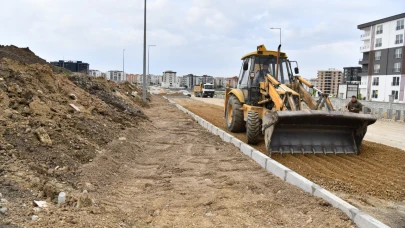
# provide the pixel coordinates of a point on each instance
(186, 93)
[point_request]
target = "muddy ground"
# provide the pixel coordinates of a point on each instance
(373, 181)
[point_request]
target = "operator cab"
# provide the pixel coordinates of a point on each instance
(254, 68)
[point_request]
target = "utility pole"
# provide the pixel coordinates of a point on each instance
(144, 56)
(123, 64)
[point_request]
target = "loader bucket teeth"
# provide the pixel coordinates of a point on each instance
(317, 132)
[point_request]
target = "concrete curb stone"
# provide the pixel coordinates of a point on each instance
(260, 158)
(246, 149)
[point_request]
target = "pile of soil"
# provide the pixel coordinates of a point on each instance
(24, 55)
(50, 127)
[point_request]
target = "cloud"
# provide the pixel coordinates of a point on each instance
(197, 36)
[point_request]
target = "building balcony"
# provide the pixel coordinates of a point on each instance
(365, 48)
(363, 61)
(363, 73)
(365, 36)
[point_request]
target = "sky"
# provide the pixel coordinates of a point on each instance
(191, 36)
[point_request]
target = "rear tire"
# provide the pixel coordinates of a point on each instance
(234, 116)
(253, 128)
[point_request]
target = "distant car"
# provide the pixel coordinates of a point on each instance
(186, 93)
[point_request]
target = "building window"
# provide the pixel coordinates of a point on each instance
(398, 53)
(378, 42)
(397, 67)
(376, 81)
(395, 81)
(379, 29)
(395, 94)
(376, 68)
(400, 24)
(399, 39)
(375, 94)
(377, 55)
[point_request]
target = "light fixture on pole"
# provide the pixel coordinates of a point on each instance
(144, 56)
(280, 33)
(123, 64)
(152, 45)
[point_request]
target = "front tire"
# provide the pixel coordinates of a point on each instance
(253, 128)
(234, 116)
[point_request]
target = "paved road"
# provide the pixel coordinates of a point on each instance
(383, 131)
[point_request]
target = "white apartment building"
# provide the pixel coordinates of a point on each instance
(116, 75)
(139, 80)
(383, 51)
(155, 79)
(169, 80)
(220, 82)
(97, 73)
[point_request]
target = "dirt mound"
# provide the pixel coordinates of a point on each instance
(109, 92)
(24, 55)
(50, 127)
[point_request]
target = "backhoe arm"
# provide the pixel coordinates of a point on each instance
(306, 96)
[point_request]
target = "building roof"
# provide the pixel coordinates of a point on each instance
(380, 21)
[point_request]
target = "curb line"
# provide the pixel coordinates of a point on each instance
(360, 218)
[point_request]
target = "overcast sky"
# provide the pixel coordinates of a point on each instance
(192, 36)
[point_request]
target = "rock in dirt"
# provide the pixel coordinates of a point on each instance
(3, 210)
(84, 201)
(122, 138)
(72, 96)
(34, 218)
(43, 136)
(75, 107)
(41, 204)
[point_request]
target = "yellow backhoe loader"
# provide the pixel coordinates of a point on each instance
(268, 101)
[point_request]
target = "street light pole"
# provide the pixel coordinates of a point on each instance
(144, 56)
(123, 64)
(280, 33)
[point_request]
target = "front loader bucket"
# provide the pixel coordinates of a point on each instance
(315, 132)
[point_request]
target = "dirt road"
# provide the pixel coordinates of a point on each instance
(170, 172)
(383, 131)
(373, 181)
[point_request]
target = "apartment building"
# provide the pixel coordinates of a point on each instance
(329, 80)
(219, 82)
(232, 81)
(314, 81)
(139, 79)
(116, 76)
(351, 75)
(74, 66)
(169, 79)
(97, 73)
(383, 71)
(132, 78)
(155, 79)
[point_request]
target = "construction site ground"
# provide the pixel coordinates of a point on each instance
(373, 181)
(170, 172)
